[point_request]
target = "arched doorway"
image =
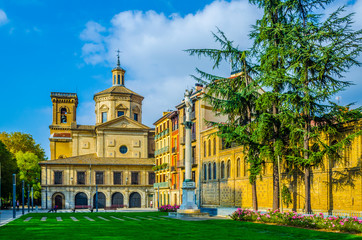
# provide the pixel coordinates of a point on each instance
(59, 200)
(101, 200)
(117, 200)
(135, 200)
(81, 200)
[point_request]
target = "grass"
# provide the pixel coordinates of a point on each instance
(146, 229)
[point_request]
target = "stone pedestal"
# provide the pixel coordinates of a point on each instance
(188, 196)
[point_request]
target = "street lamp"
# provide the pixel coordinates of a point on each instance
(146, 198)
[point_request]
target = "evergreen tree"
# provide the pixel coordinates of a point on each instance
(270, 47)
(320, 52)
(234, 97)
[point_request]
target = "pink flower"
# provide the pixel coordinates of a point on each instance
(342, 223)
(258, 218)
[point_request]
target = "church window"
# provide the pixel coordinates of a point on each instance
(193, 176)
(205, 177)
(104, 117)
(99, 177)
(135, 116)
(214, 143)
(228, 169)
(209, 143)
(222, 170)
(119, 80)
(134, 178)
(58, 177)
(120, 113)
(123, 149)
(63, 115)
(114, 80)
(245, 167)
(209, 172)
(238, 167)
(214, 170)
(151, 178)
(117, 178)
(122, 79)
(81, 178)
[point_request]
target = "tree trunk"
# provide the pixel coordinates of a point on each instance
(308, 208)
(275, 168)
(255, 199)
(275, 186)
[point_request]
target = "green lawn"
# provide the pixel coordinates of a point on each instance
(149, 229)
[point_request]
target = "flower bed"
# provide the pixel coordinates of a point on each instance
(317, 221)
(169, 208)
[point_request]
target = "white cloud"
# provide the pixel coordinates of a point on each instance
(152, 47)
(3, 18)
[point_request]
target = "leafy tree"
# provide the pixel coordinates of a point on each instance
(18, 141)
(8, 167)
(29, 170)
(235, 98)
(25, 154)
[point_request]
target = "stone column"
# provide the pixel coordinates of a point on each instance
(188, 186)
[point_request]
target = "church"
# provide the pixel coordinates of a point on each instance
(114, 157)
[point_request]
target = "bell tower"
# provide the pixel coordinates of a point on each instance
(118, 73)
(64, 108)
(64, 118)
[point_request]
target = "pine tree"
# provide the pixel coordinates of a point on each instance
(320, 52)
(270, 47)
(234, 97)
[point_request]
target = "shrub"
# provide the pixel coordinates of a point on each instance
(169, 208)
(318, 221)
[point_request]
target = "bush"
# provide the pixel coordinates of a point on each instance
(318, 221)
(169, 208)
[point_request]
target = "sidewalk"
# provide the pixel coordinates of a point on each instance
(7, 215)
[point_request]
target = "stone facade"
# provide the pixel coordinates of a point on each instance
(115, 156)
(335, 186)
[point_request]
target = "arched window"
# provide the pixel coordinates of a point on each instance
(63, 115)
(214, 144)
(209, 143)
(205, 177)
(222, 170)
(238, 167)
(118, 79)
(228, 169)
(204, 148)
(209, 172)
(245, 167)
(214, 170)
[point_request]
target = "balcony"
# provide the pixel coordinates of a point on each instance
(174, 149)
(161, 185)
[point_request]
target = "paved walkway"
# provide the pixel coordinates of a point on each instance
(7, 216)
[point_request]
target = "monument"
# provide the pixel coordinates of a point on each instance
(188, 207)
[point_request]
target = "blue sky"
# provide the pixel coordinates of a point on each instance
(69, 46)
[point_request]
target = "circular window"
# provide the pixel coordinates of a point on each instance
(123, 149)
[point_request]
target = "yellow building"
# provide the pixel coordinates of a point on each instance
(115, 155)
(335, 187)
(201, 114)
(163, 152)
